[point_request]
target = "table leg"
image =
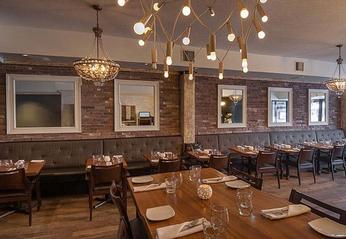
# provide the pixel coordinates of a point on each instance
(38, 194)
(318, 165)
(287, 166)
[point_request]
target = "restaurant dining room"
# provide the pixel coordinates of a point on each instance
(163, 119)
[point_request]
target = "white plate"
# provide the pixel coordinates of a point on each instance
(329, 228)
(160, 213)
(142, 179)
(237, 184)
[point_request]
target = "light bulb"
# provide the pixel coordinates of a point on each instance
(264, 18)
(245, 70)
(139, 28)
(166, 74)
(141, 42)
(244, 63)
(220, 76)
(186, 41)
(209, 57)
(244, 13)
(169, 60)
(157, 5)
(263, 1)
(223, 103)
(213, 56)
(261, 34)
(186, 10)
(190, 76)
(231, 37)
(121, 3)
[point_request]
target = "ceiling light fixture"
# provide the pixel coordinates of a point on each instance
(263, 1)
(261, 12)
(186, 8)
(260, 33)
(337, 84)
(140, 27)
(165, 70)
(221, 70)
(186, 39)
(231, 35)
(212, 46)
(244, 13)
(211, 11)
(157, 5)
(169, 51)
(190, 71)
(99, 69)
(122, 3)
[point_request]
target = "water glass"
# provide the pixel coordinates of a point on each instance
(171, 185)
(195, 173)
(209, 231)
(219, 217)
(179, 179)
(244, 202)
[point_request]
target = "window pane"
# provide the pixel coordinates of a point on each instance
(318, 107)
(137, 105)
(44, 104)
(279, 103)
(231, 106)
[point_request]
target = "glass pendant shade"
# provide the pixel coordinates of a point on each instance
(337, 84)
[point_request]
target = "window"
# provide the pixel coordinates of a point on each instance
(279, 106)
(231, 106)
(43, 104)
(318, 107)
(136, 105)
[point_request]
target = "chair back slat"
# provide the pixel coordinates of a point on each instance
(14, 180)
(255, 182)
(219, 162)
(101, 175)
(266, 157)
(337, 152)
(306, 155)
(319, 208)
(166, 166)
(124, 229)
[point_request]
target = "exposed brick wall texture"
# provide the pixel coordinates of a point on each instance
(98, 105)
(257, 105)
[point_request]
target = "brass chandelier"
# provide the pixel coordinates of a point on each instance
(99, 69)
(337, 84)
(147, 28)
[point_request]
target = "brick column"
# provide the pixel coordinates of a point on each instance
(188, 109)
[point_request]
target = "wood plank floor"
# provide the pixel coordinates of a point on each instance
(67, 217)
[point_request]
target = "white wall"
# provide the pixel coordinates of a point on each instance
(77, 44)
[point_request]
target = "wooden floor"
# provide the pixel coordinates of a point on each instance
(67, 217)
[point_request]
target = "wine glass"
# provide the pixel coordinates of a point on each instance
(195, 173)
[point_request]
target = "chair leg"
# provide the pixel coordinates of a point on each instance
(90, 207)
(261, 175)
(332, 170)
(278, 177)
(299, 179)
(30, 211)
(314, 173)
(38, 195)
(344, 168)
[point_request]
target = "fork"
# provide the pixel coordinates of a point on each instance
(190, 225)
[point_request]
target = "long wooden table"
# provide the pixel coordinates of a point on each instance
(188, 206)
(32, 170)
(244, 152)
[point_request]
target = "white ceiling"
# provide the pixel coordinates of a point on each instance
(297, 28)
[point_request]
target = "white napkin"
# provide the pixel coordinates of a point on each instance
(155, 160)
(149, 187)
(219, 179)
(37, 161)
(172, 231)
(284, 212)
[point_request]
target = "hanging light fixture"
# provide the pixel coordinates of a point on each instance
(190, 70)
(231, 35)
(186, 40)
(99, 69)
(337, 84)
(186, 8)
(236, 96)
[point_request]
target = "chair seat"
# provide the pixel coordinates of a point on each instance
(338, 162)
(138, 229)
(8, 194)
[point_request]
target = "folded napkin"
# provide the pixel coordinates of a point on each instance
(155, 160)
(219, 179)
(284, 212)
(37, 161)
(149, 187)
(173, 231)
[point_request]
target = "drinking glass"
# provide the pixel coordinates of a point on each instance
(244, 201)
(195, 173)
(179, 179)
(171, 185)
(219, 217)
(20, 164)
(209, 231)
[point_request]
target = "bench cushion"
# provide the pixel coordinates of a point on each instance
(208, 141)
(333, 135)
(292, 137)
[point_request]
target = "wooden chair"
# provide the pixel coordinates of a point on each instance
(128, 229)
(101, 178)
(266, 162)
(166, 166)
(319, 208)
(255, 182)
(305, 160)
(336, 159)
(15, 187)
(220, 163)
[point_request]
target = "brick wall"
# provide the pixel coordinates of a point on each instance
(257, 106)
(98, 105)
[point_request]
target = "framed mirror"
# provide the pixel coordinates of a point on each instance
(318, 106)
(280, 111)
(232, 106)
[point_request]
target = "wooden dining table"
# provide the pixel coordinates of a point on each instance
(201, 157)
(244, 152)
(319, 147)
(154, 159)
(188, 206)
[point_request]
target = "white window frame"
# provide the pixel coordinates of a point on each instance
(11, 107)
(326, 92)
(232, 125)
(290, 106)
(117, 106)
